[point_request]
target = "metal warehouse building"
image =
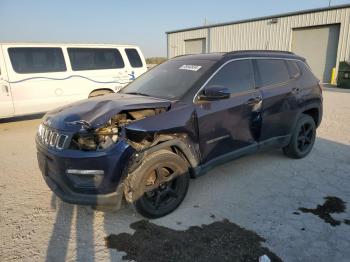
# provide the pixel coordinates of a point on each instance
(321, 35)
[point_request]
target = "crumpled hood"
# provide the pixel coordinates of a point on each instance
(99, 110)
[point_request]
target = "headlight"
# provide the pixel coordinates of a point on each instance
(98, 139)
(51, 138)
(40, 130)
(87, 142)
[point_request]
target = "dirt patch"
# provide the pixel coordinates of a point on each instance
(219, 241)
(330, 206)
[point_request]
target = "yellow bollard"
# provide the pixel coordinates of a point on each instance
(333, 80)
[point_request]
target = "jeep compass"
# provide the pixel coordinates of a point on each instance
(175, 122)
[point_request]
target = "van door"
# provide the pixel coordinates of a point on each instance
(6, 103)
(95, 68)
(136, 61)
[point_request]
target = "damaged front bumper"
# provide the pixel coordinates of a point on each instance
(85, 177)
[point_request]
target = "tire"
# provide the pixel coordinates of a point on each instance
(303, 138)
(159, 185)
(100, 93)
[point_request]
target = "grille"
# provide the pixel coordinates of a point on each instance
(51, 138)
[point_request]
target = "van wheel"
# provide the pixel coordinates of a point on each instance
(303, 138)
(159, 185)
(100, 93)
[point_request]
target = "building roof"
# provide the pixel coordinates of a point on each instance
(263, 18)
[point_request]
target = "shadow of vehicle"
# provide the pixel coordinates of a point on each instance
(62, 232)
(257, 192)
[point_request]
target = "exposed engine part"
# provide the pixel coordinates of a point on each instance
(104, 137)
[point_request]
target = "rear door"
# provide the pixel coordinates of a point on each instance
(6, 103)
(227, 125)
(136, 61)
(279, 91)
(96, 68)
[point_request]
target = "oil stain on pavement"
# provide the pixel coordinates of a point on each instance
(330, 206)
(219, 241)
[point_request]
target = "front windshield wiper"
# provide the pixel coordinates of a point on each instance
(136, 93)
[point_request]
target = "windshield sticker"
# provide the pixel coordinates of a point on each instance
(190, 67)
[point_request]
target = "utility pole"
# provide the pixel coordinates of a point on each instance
(329, 3)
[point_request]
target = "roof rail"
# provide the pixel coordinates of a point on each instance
(262, 51)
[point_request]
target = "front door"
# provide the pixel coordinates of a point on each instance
(6, 103)
(228, 125)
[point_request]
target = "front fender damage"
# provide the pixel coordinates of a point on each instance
(173, 131)
(146, 131)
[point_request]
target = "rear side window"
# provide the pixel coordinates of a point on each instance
(237, 76)
(272, 71)
(308, 75)
(95, 58)
(27, 60)
(134, 57)
(293, 69)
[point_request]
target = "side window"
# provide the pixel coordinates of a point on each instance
(306, 71)
(293, 69)
(134, 57)
(27, 60)
(95, 58)
(308, 75)
(237, 76)
(272, 71)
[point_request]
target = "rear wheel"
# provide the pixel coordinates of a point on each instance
(159, 185)
(303, 138)
(100, 93)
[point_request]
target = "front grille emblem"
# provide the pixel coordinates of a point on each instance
(51, 138)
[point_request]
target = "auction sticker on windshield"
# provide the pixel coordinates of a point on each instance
(190, 67)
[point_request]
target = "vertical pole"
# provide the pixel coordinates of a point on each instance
(333, 80)
(167, 46)
(208, 40)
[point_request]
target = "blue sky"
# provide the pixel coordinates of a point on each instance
(143, 23)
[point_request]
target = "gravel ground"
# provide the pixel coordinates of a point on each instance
(261, 193)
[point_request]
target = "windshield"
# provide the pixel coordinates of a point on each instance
(170, 80)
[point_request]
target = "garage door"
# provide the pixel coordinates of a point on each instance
(195, 46)
(319, 46)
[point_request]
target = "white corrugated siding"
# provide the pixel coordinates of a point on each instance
(263, 35)
(176, 42)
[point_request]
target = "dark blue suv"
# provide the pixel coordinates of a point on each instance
(174, 122)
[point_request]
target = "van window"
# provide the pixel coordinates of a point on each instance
(293, 68)
(134, 57)
(237, 76)
(27, 60)
(95, 58)
(272, 71)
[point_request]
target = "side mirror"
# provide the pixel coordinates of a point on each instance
(215, 93)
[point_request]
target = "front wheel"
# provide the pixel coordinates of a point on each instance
(159, 185)
(303, 138)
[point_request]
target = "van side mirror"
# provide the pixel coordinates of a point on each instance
(214, 93)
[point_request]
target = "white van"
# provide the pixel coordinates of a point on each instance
(35, 78)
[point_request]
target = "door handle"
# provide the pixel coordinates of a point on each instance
(5, 89)
(254, 100)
